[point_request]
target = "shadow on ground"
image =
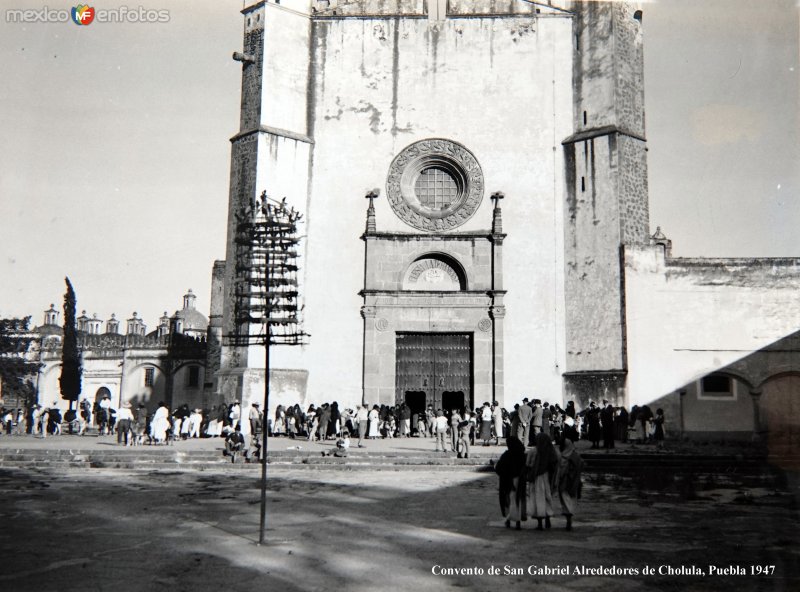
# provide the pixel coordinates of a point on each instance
(359, 531)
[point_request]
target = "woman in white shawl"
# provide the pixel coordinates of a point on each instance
(160, 424)
(542, 474)
(374, 421)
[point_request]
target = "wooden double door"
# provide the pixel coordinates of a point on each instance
(434, 369)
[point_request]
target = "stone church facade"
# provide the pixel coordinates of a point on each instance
(126, 362)
(504, 248)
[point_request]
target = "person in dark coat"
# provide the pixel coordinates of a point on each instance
(512, 490)
(621, 425)
(607, 419)
(569, 479)
(525, 417)
(593, 425)
(658, 422)
(334, 424)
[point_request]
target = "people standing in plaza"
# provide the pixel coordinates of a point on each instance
(235, 414)
(430, 420)
(22, 422)
(44, 420)
(335, 422)
(541, 465)
(497, 422)
(547, 416)
(124, 421)
(643, 418)
(104, 417)
(85, 415)
(569, 480)
(462, 444)
(254, 417)
(362, 421)
(405, 421)
(592, 417)
(440, 430)
(570, 430)
(54, 421)
(312, 422)
(324, 419)
(621, 425)
(160, 424)
(8, 420)
(278, 423)
(455, 419)
(536, 420)
(485, 432)
(658, 433)
(524, 417)
(139, 424)
(607, 419)
(374, 419)
(195, 421)
(512, 490)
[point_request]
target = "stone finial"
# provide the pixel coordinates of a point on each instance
(371, 223)
(497, 216)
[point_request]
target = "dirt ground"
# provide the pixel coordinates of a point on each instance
(104, 529)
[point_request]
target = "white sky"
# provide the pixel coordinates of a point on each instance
(114, 152)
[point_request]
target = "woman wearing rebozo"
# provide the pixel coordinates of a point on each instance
(569, 479)
(509, 468)
(541, 471)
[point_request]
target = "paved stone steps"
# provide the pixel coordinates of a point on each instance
(652, 466)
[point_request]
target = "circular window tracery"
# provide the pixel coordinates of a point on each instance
(436, 189)
(435, 185)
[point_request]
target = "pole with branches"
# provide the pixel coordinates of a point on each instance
(267, 310)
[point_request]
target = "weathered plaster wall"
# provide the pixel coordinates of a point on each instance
(500, 86)
(687, 318)
(594, 332)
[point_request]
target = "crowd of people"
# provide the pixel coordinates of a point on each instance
(451, 430)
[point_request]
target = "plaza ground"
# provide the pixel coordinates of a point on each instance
(360, 530)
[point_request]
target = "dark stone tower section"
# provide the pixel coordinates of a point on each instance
(607, 207)
(244, 163)
(269, 153)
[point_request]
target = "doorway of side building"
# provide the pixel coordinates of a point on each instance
(101, 392)
(437, 365)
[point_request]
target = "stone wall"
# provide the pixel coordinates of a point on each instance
(381, 84)
(687, 318)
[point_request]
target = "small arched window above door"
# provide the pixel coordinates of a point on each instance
(435, 272)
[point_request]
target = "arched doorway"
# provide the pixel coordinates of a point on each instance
(101, 393)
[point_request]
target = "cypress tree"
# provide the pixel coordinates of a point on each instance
(70, 380)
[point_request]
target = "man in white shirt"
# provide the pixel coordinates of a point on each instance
(124, 421)
(362, 417)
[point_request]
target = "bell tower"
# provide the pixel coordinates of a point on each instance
(606, 194)
(270, 152)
